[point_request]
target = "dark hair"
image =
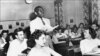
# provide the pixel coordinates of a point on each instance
(27, 32)
(36, 9)
(8, 38)
(32, 16)
(4, 31)
(37, 34)
(0, 36)
(18, 30)
(91, 32)
(31, 42)
(81, 24)
(74, 28)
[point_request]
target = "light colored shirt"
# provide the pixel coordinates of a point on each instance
(87, 46)
(43, 51)
(67, 31)
(38, 24)
(16, 47)
(39, 52)
(2, 42)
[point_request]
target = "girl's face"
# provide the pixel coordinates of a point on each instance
(94, 27)
(41, 41)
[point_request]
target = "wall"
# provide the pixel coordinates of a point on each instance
(99, 10)
(73, 9)
(13, 11)
(17, 10)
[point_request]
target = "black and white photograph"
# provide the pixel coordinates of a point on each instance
(49, 27)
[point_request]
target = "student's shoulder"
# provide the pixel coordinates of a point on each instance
(25, 39)
(84, 40)
(32, 52)
(14, 41)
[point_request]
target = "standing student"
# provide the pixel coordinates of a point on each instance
(39, 22)
(17, 45)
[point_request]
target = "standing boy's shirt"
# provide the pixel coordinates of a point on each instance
(16, 47)
(38, 24)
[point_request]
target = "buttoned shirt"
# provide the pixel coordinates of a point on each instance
(38, 24)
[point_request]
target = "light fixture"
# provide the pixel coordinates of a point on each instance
(28, 1)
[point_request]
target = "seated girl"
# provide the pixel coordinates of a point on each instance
(39, 49)
(89, 44)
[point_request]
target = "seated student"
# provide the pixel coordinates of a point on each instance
(9, 38)
(1, 46)
(17, 45)
(57, 36)
(39, 48)
(60, 46)
(67, 30)
(49, 41)
(4, 34)
(1, 42)
(74, 33)
(89, 44)
(94, 26)
(97, 39)
(81, 30)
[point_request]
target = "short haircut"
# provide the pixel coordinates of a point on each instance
(18, 30)
(32, 16)
(31, 42)
(81, 24)
(37, 34)
(91, 32)
(4, 31)
(36, 9)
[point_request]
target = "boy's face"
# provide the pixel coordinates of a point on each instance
(20, 35)
(41, 12)
(94, 26)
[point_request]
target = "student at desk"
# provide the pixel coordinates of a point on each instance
(38, 45)
(60, 45)
(89, 44)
